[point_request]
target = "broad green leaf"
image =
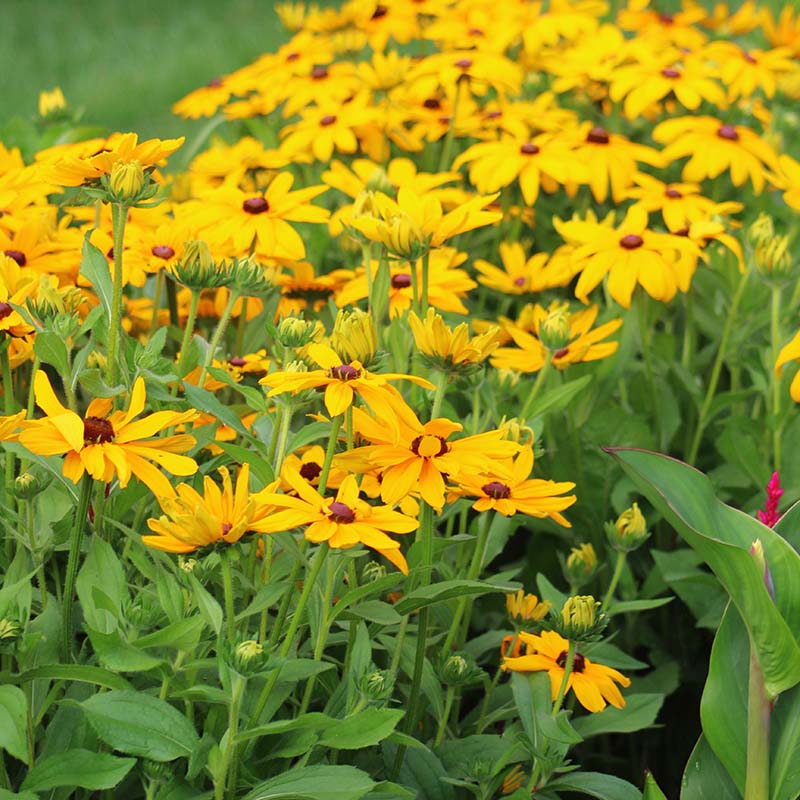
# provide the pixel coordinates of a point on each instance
(181, 635)
(51, 349)
(629, 606)
(596, 784)
(136, 723)
(116, 654)
(311, 721)
(209, 607)
(386, 790)
(532, 694)
(561, 396)
(640, 711)
(723, 537)
(421, 770)
(374, 611)
(82, 673)
(78, 768)
(445, 590)
(101, 585)
(364, 729)
(5, 794)
(705, 778)
(94, 267)
(205, 401)
(652, 791)
(459, 755)
(788, 525)
(13, 722)
(319, 782)
(265, 598)
(385, 584)
(307, 434)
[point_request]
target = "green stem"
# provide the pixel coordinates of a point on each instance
(438, 398)
(228, 776)
(308, 586)
(283, 436)
(39, 564)
(76, 539)
(759, 709)
(448, 704)
(119, 218)
(716, 370)
(8, 408)
(644, 336)
(215, 339)
(775, 335)
(227, 588)
(464, 603)
(336, 424)
(618, 567)
(366, 251)
(444, 161)
(188, 332)
(157, 292)
(492, 686)
(562, 690)
(426, 264)
(537, 386)
(241, 327)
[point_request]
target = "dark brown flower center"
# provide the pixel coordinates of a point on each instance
(728, 132)
(529, 149)
(748, 58)
(5, 310)
(673, 193)
(598, 135)
(226, 528)
(444, 120)
(496, 490)
(429, 446)
(494, 114)
(464, 63)
(681, 232)
(561, 353)
(255, 205)
(344, 372)
(293, 56)
(519, 281)
(328, 119)
(578, 661)
(18, 256)
(380, 11)
(163, 251)
(631, 241)
(97, 430)
(401, 281)
(339, 512)
(310, 471)
(476, 32)
(670, 72)
(215, 83)
(237, 361)
(318, 73)
(666, 19)
(433, 103)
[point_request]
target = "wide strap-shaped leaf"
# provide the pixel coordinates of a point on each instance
(723, 536)
(705, 778)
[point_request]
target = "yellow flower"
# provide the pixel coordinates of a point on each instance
(512, 491)
(342, 522)
(714, 147)
(744, 72)
(594, 684)
(789, 181)
(447, 348)
(127, 180)
(520, 275)
(51, 102)
(105, 445)
(523, 607)
(218, 516)
(790, 352)
(630, 254)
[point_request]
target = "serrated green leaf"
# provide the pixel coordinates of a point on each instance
(116, 654)
(365, 729)
(78, 767)
(318, 782)
(13, 722)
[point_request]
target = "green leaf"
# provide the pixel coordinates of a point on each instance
(652, 790)
(375, 611)
(307, 434)
(705, 778)
(785, 747)
(596, 784)
(205, 401)
(640, 711)
(365, 729)
(5, 794)
(445, 590)
(13, 722)
(101, 586)
(209, 607)
(723, 536)
(628, 606)
(265, 598)
(531, 695)
(319, 782)
(421, 770)
(116, 654)
(51, 349)
(385, 584)
(136, 723)
(561, 396)
(181, 635)
(94, 267)
(81, 673)
(78, 768)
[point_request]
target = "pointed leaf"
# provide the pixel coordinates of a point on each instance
(78, 768)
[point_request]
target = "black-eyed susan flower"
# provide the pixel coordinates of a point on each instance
(745, 71)
(110, 444)
(220, 515)
(448, 349)
(512, 491)
(790, 352)
(521, 274)
(525, 608)
(789, 181)
(594, 685)
(343, 521)
(714, 147)
(630, 254)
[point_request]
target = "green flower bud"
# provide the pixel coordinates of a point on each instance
(580, 619)
(629, 531)
(554, 331)
(379, 182)
(197, 269)
(126, 181)
(9, 630)
(581, 564)
(295, 332)
(247, 657)
(27, 486)
(376, 685)
(373, 571)
(459, 669)
(354, 337)
(250, 278)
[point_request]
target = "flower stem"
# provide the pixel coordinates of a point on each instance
(119, 218)
(226, 774)
(76, 539)
(215, 339)
(227, 588)
(492, 686)
(438, 398)
(758, 728)
(448, 704)
(308, 586)
(775, 336)
(8, 408)
(562, 690)
(716, 369)
(444, 161)
(188, 332)
(157, 292)
(39, 564)
(537, 386)
(621, 555)
(336, 424)
(644, 336)
(426, 265)
(283, 436)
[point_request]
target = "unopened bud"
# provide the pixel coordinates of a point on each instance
(629, 531)
(354, 337)
(379, 182)
(198, 270)
(27, 486)
(459, 669)
(580, 619)
(126, 181)
(581, 564)
(554, 331)
(757, 552)
(294, 332)
(50, 103)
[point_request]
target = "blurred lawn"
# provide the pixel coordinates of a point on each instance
(127, 62)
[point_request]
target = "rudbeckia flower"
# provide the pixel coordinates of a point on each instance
(218, 516)
(789, 180)
(15, 288)
(744, 72)
(584, 344)
(447, 348)
(521, 275)
(594, 685)
(513, 491)
(204, 101)
(790, 352)
(342, 522)
(629, 255)
(714, 147)
(105, 445)
(343, 382)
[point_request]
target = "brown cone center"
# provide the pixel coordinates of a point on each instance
(97, 430)
(255, 205)
(631, 241)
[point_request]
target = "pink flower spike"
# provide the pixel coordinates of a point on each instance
(770, 516)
